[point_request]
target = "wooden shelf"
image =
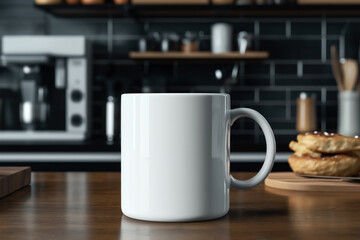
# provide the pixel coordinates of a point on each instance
(199, 55)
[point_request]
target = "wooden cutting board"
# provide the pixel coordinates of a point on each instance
(290, 181)
(13, 178)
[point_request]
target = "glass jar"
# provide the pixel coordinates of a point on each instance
(190, 42)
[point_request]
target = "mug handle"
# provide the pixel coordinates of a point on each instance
(270, 148)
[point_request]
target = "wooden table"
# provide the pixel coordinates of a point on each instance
(87, 206)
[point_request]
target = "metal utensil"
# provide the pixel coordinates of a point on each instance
(234, 73)
(42, 106)
(350, 71)
(219, 76)
(244, 40)
(232, 79)
(331, 177)
(336, 67)
(110, 118)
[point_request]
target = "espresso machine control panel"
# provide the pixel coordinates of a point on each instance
(76, 95)
(47, 88)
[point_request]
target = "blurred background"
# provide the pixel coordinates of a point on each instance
(65, 64)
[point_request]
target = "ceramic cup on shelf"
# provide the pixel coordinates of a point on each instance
(349, 113)
(175, 155)
(221, 38)
(244, 40)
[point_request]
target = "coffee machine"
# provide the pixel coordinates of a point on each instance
(45, 88)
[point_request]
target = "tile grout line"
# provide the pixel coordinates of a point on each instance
(242, 73)
(257, 95)
(146, 26)
(288, 104)
(46, 24)
(300, 71)
(272, 74)
(257, 33)
(110, 34)
(288, 29)
(342, 47)
(323, 39)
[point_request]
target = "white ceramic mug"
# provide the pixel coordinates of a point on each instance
(175, 155)
(221, 38)
(349, 113)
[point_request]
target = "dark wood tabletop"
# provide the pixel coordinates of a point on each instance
(80, 205)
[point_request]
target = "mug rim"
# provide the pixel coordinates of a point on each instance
(175, 94)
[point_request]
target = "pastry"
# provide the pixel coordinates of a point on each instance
(342, 165)
(325, 155)
(302, 150)
(329, 143)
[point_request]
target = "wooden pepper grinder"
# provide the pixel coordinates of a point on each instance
(306, 113)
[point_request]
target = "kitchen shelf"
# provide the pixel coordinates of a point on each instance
(199, 55)
(203, 10)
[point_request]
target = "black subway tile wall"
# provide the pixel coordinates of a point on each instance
(306, 28)
(299, 61)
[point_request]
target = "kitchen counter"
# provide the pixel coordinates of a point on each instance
(70, 205)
